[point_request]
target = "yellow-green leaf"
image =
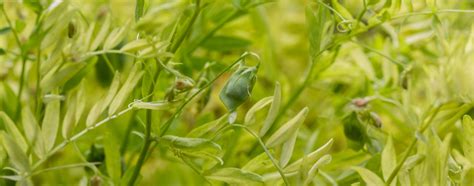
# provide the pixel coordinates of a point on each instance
(287, 130)
(50, 125)
(13, 131)
(15, 153)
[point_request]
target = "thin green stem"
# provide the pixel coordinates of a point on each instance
(172, 48)
(431, 12)
(38, 87)
(109, 64)
(78, 135)
(422, 128)
(66, 167)
(396, 62)
(96, 53)
(275, 163)
(23, 63)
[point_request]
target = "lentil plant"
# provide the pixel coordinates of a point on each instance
(236, 92)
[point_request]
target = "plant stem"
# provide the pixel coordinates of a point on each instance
(38, 88)
(172, 48)
(23, 63)
(282, 174)
(78, 135)
(422, 128)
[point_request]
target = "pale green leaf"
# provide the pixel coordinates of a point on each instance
(260, 162)
(209, 127)
(287, 129)
(135, 45)
(189, 143)
(287, 150)
(250, 116)
(314, 169)
(273, 112)
(468, 140)
(235, 176)
(389, 158)
(81, 103)
(54, 79)
(116, 36)
(15, 153)
(13, 131)
(94, 114)
(126, 89)
(32, 131)
(68, 121)
(50, 125)
(114, 87)
(310, 158)
(342, 10)
(103, 32)
(370, 178)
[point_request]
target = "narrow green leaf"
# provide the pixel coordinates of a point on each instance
(103, 32)
(389, 158)
(209, 127)
(235, 176)
(260, 162)
(54, 79)
(32, 131)
(15, 153)
(68, 121)
(316, 24)
(250, 116)
(412, 161)
(157, 105)
(287, 149)
(342, 10)
(94, 114)
(50, 125)
(467, 133)
(314, 169)
(189, 143)
(13, 131)
(126, 89)
(116, 36)
(87, 40)
(369, 177)
(203, 155)
(287, 129)
(114, 87)
(273, 112)
(310, 158)
(135, 45)
(81, 103)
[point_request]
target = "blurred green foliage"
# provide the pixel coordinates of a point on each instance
(121, 92)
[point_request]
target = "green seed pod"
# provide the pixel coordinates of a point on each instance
(353, 128)
(238, 88)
